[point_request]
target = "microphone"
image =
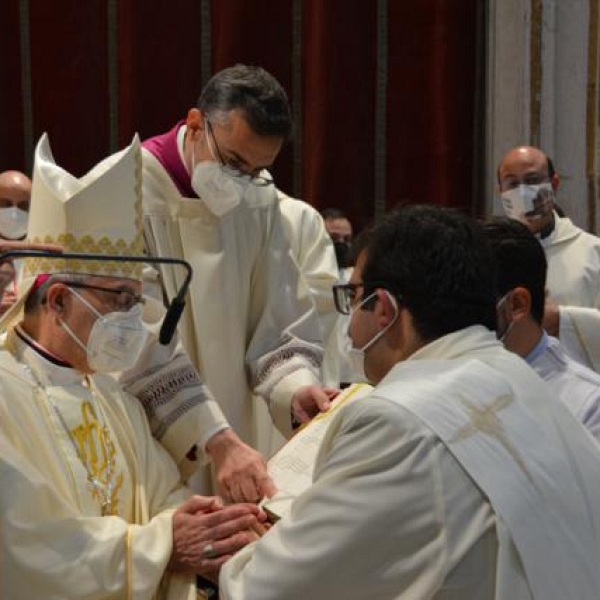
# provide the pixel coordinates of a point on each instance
(176, 306)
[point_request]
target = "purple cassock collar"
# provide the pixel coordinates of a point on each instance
(164, 149)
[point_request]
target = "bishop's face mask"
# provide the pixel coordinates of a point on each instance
(220, 193)
(13, 223)
(355, 357)
(528, 201)
(116, 339)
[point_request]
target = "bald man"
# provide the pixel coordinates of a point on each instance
(527, 184)
(15, 190)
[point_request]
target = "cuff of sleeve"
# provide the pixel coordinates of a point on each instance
(195, 429)
(280, 402)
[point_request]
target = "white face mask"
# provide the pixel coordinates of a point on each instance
(528, 201)
(220, 193)
(13, 223)
(355, 357)
(116, 339)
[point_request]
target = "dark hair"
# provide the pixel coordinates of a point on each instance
(438, 265)
(37, 297)
(520, 261)
(253, 91)
(333, 213)
(551, 169)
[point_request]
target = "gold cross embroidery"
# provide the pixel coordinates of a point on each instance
(484, 419)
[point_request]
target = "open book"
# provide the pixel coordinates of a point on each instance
(293, 466)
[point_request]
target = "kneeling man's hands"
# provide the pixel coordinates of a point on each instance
(310, 400)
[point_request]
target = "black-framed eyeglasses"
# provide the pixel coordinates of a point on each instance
(344, 294)
(235, 172)
(125, 300)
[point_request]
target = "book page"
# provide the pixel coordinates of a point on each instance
(293, 466)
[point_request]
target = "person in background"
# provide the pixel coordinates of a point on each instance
(339, 229)
(522, 269)
(527, 183)
(15, 191)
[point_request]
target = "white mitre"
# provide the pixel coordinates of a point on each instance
(99, 213)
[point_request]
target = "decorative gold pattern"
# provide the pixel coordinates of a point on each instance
(484, 419)
(98, 454)
(87, 244)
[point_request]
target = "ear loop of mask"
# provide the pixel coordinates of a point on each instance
(504, 335)
(66, 327)
(381, 333)
(209, 147)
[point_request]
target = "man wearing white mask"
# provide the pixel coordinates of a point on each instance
(91, 505)
(442, 482)
(522, 267)
(15, 191)
(527, 184)
(250, 326)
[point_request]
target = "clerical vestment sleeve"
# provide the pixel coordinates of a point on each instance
(181, 410)
(287, 336)
(578, 334)
(50, 550)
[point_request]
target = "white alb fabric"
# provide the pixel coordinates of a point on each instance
(576, 385)
(250, 324)
(396, 510)
(573, 282)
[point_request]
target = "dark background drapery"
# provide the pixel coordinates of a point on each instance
(386, 94)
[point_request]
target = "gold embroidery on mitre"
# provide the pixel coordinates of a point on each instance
(98, 454)
(88, 245)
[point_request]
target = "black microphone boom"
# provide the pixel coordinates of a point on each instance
(175, 307)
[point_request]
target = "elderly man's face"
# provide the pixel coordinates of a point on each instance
(77, 305)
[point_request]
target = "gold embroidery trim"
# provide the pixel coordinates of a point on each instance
(87, 244)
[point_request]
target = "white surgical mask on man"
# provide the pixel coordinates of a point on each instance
(13, 223)
(116, 339)
(528, 201)
(220, 193)
(355, 357)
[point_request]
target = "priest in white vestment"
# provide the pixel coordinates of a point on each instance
(91, 505)
(313, 250)
(460, 475)
(528, 182)
(250, 326)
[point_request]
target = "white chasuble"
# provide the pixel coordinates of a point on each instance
(459, 476)
(73, 449)
(573, 282)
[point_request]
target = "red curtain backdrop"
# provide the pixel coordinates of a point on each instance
(331, 48)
